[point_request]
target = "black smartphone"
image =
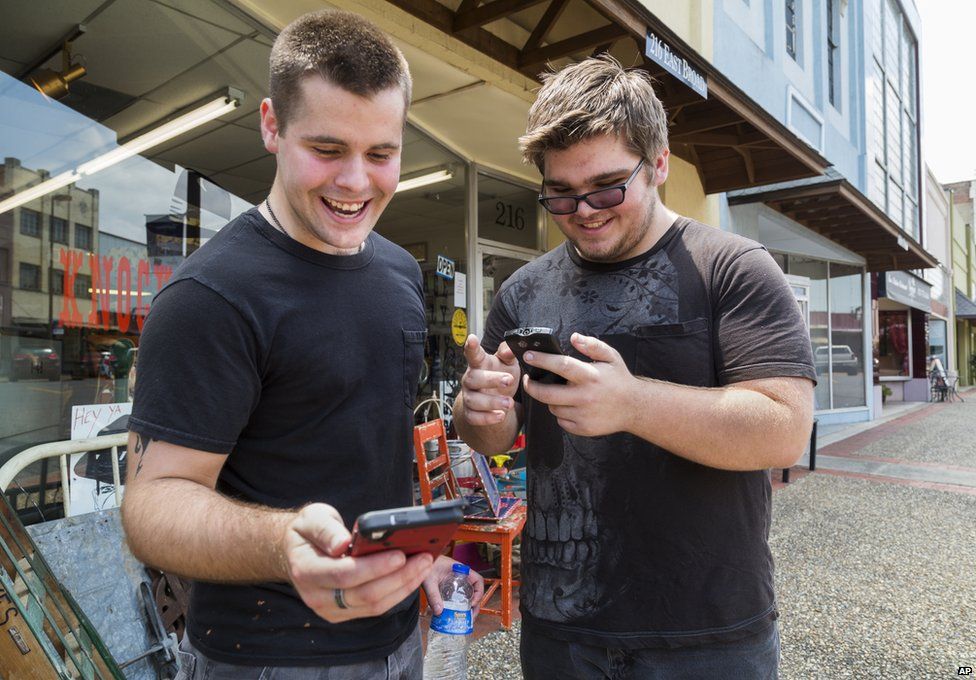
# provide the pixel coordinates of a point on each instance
(413, 529)
(537, 339)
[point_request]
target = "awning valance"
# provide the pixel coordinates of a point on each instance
(833, 207)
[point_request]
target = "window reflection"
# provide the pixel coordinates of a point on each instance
(847, 335)
(893, 349)
(89, 228)
(86, 259)
(429, 222)
(816, 270)
(937, 342)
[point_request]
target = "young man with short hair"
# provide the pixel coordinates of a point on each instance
(689, 374)
(264, 364)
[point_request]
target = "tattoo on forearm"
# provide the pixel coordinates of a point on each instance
(142, 449)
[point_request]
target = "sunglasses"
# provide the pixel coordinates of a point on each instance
(598, 200)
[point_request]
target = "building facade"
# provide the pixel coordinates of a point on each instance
(942, 327)
(962, 198)
(843, 77)
(466, 207)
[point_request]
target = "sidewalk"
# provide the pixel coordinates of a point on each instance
(908, 444)
(874, 553)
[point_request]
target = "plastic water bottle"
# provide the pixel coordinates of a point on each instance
(447, 641)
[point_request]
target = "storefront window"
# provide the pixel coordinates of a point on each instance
(816, 271)
(847, 335)
(428, 217)
(782, 260)
(937, 343)
(893, 349)
(507, 212)
(89, 229)
(495, 271)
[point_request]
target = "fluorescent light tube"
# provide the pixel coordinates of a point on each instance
(424, 180)
(38, 190)
(154, 137)
(167, 131)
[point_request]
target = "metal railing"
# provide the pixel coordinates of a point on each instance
(62, 450)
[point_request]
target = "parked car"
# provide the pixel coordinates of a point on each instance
(35, 362)
(843, 357)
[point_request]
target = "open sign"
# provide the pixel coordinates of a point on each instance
(445, 267)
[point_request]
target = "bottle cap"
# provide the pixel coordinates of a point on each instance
(461, 568)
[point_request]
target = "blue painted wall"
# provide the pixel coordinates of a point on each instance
(750, 49)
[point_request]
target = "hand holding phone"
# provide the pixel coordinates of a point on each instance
(413, 529)
(536, 339)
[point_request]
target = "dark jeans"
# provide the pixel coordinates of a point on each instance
(753, 658)
(405, 663)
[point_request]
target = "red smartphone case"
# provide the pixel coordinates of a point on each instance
(412, 529)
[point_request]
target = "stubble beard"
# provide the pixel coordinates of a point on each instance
(627, 242)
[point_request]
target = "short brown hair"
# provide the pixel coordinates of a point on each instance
(344, 49)
(593, 97)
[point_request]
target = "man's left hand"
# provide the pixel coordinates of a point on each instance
(597, 398)
(441, 570)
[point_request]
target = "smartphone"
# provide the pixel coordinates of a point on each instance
(413, 529)
(537, 339)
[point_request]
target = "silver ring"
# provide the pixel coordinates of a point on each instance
(340, 598)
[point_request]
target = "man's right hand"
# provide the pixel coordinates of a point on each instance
(489, 383)
(315, 544)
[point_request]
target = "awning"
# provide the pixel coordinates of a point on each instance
(833, 207)
(732, 142)
(965, 308)
(907, 289)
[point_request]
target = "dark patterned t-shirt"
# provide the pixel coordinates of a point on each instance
(626, 544)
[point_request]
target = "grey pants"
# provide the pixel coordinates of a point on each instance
(405, 663)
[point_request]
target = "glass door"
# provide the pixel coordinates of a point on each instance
(801, 290)
(496, 265)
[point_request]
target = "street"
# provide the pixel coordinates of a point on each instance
(38, 410)
(874, 555)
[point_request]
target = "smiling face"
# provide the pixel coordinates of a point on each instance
(608, 234)
(338, 163)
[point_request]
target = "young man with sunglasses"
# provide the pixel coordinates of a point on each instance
(688, 375)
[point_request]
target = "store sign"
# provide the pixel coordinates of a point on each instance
(445, 267)
(907, 289)
(133, 282)
(660, 52)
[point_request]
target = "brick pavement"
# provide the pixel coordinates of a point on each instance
(931, 447)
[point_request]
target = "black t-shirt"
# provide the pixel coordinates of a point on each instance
(626, 544)
(303, 367)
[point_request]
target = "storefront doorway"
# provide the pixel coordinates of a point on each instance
(497, 264)
(511, 231)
